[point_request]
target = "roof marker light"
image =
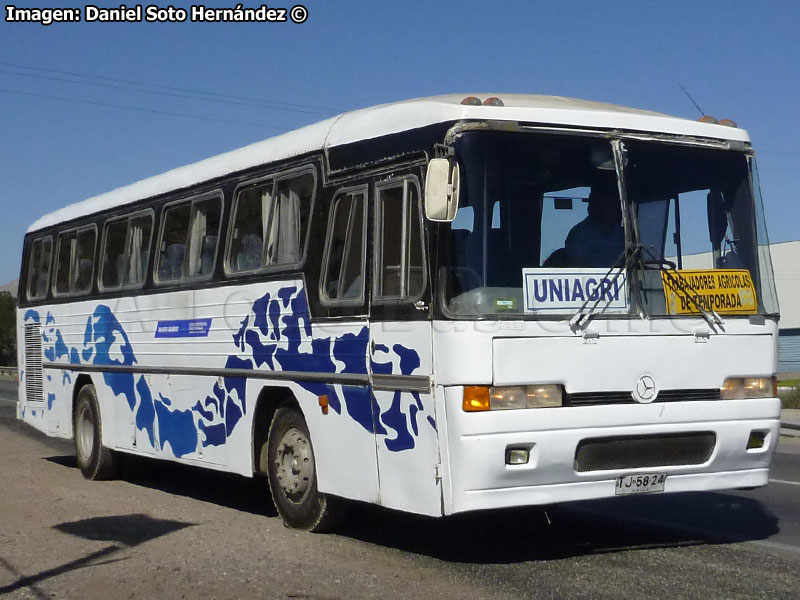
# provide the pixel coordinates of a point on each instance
(708, 119)
(493, 102)
(728, 123)
(471, 101)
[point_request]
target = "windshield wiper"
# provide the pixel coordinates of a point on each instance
(677, 281)
(631, 254)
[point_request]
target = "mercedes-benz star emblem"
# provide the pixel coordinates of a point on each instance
(645, 389)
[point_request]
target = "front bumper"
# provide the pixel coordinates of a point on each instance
(479, 478)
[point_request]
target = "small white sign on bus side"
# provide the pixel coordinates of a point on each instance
(563, 290)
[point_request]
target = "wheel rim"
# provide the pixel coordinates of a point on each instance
(84, 433)
(294, 464)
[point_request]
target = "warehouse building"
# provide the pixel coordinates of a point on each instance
(786, 263)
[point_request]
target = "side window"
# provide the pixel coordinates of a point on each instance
(189, 237)
(75, 261)
(270, 223)
(174, 233)
(66, 245)
(247, 246)
(126, 250)
(39, 268)
(203, 238)
(344, 259)
(399, 256)
(140, 230)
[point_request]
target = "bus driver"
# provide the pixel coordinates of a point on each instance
(598, 240)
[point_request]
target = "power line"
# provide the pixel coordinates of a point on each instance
(174, 88)
(173, 94)
(142, 109)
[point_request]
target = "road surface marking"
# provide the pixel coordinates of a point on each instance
(784, 481)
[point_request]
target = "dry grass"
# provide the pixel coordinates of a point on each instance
(790, 399)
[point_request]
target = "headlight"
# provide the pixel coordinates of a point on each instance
(739, 388)
(480, 398)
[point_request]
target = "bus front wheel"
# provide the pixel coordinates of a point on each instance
(292, 475)
(94, 460)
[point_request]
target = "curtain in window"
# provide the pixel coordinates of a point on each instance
(196, 235)
(135, 269)
(289, 237)
(268, 223)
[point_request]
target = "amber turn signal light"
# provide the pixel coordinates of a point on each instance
(476, 398)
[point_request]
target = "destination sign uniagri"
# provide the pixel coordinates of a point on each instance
(725, 291)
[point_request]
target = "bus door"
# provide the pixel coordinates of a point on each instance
(401, 355)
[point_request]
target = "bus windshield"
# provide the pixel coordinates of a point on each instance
(540, 229)
(695, 212)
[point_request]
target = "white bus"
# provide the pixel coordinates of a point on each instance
(438, 306)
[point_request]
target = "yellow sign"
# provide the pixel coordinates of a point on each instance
(728, 291)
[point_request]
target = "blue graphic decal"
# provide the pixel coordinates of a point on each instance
(395, 419)
(276, 335)
(145, 414)
(60, 348)
(358, 401)
(204, 414)
(176, 427)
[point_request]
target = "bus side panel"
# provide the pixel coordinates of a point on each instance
(134, 348)
(31, 411)
(407, 436)
(46, 394)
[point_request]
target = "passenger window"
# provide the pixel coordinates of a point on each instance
(344, 259)
(203, 238)
(248, 230)
(39, 268)
(87, 239)
(400, 266)
(270, 223)
(140, 230)
(75, 261)
(173, 242)
(66, 244)
(126, 252)
(113, 263)
(189, 240)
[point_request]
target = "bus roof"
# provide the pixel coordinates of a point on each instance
(386, 119)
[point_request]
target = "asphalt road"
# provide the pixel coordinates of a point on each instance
(164, 519)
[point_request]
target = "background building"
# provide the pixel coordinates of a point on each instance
(786, 264)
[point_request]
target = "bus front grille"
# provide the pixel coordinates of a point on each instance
(644, 451)
(34, 391)
(688, 395)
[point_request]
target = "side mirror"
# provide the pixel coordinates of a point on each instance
(441, 190)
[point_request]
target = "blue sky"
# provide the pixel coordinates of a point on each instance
(739, 60)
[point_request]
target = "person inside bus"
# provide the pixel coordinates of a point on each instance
(598, 240)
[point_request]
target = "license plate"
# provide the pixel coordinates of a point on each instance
(641, 483)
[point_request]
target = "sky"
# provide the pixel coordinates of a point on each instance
(77, 120)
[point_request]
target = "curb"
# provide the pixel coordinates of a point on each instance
(790, 426)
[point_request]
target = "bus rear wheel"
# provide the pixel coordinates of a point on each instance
(95, 461)
(292, 475)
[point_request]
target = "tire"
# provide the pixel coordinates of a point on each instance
(95, 461)
(292, 475)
